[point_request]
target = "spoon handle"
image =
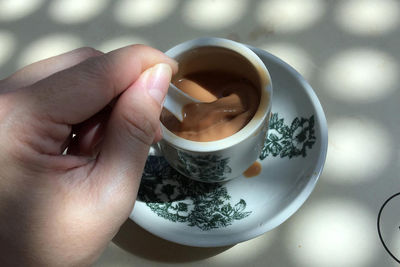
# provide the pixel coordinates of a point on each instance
(175, 100)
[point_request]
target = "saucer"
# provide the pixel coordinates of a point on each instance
(192, 213)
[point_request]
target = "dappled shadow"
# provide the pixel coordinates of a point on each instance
(320, 38)
(139, 242)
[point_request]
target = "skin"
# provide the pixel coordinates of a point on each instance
(62, 209)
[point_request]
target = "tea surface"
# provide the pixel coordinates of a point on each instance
(228, 102)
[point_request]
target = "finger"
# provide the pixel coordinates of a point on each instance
(89, 134)
(44, 68)
(131, 130)
(74, 95)
(158, 135)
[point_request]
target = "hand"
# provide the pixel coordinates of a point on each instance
(62, 210)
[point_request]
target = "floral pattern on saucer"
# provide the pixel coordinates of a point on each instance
(208, 206)
(178, 199)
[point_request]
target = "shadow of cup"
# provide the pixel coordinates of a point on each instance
(134, 239)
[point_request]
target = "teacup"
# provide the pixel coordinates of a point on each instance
(227, 158)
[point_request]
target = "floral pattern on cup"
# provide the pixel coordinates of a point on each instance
(290, 141)
(207, 168)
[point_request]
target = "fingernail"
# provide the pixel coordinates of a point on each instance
(175, 66)
(158, 81)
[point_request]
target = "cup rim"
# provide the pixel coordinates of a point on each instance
(264, 107)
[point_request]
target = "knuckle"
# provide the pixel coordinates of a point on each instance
(96, 71)
(87, 52)
(141, 50)
(138, 125)
(97, 65)
(140, 46)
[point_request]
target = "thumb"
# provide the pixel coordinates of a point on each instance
(133, 124)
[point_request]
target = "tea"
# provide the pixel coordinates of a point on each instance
(228, 102)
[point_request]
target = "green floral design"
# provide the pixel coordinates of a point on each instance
(178, 199)
(208, 168)
(289, 140)
(208, 206)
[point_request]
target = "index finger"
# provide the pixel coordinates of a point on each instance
(75, 94)
(46, 67)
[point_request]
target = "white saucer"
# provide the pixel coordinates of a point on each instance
(183, 211)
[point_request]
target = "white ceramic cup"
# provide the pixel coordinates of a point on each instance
(227, 158)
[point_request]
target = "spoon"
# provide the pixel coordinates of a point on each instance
(176, 99)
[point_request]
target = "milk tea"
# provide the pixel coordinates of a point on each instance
(229, 95)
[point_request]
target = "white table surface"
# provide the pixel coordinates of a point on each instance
(349, 51)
